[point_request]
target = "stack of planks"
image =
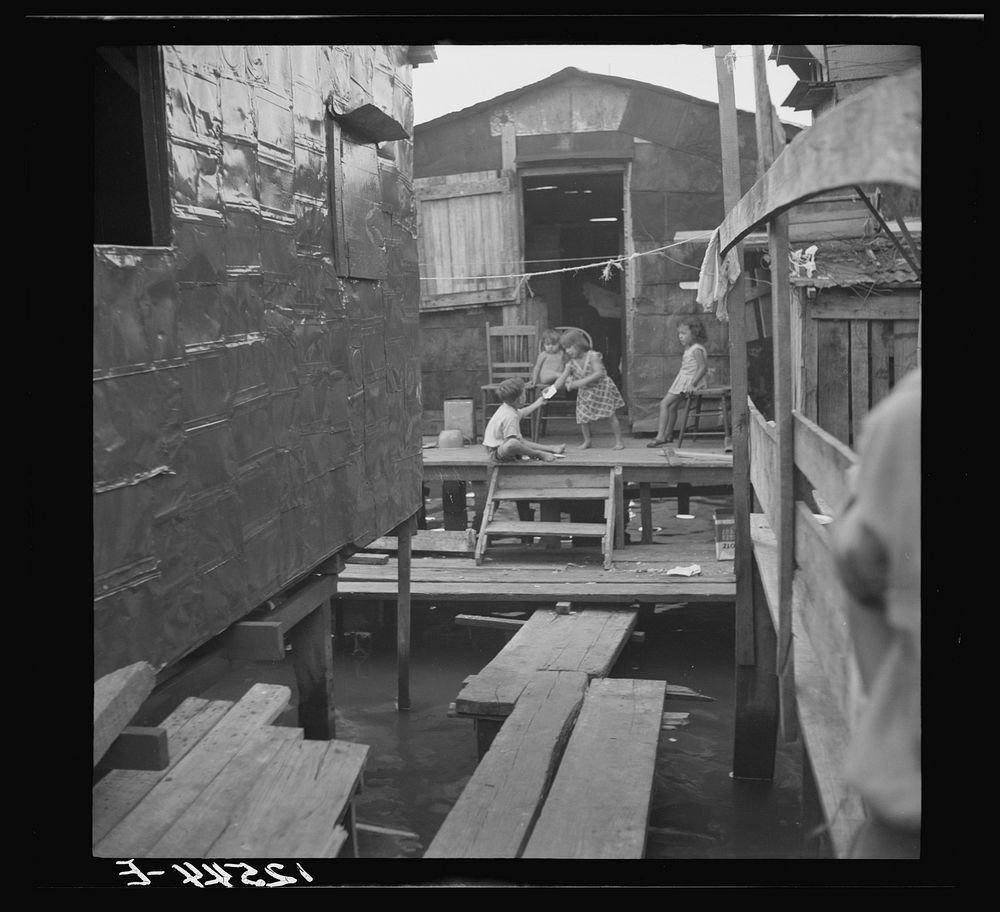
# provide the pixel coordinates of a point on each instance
(568, 757)
(235, 786)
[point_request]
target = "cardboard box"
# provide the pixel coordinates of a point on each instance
(460, 415)
(725, 535)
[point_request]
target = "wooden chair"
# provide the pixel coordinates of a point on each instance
(721, 395)
(511, 351)
(562, 407)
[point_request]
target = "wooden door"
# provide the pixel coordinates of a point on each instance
(467, 229)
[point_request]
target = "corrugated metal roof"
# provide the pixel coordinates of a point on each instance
(861, 261)
(569, 73)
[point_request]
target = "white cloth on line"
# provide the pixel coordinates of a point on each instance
(716, 277)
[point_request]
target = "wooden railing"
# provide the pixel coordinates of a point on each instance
(826, 682)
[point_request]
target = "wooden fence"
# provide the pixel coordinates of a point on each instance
(822, 664)
(854, 348)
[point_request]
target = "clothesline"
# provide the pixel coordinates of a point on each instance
(607, 264)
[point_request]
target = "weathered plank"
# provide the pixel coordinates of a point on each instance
(849, 306)
(561, 570)
(193, 832)
(625, 591)
(121, 790)
(809, 360)
(117, 698)
(440, 542)
(548, 494)
(589, 641)
(825, 619)
(873, 137)
(563, 529)
(881, 348)
(859, 377)
(362, 558)
(765, 552)
(453, 191)
(763, 456)
(833, 369)
(904, 348)
(139, 830)
(826, 735)
(598, 806)
(824, 460)
(296, 806)
(497, 808)
(515, 476)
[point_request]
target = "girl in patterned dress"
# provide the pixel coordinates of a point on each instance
(597, 396)
(691, 376)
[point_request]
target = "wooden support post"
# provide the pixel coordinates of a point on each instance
(550, 512)
(753, 721)
(453, 506)
(338, 607)
(312, 659)
(684, 497)
(781, 298)
(737, 372)
(479, 491)
(403, 531)
(619, 507)
(646, 512)
(486, 731)
(754, 743)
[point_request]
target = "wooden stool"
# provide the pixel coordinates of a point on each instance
(722, 395)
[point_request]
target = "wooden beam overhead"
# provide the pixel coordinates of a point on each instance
(872, 138)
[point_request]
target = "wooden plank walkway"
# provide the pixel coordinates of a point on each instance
(498, 806)
(598, 806)
(236, 786)
(587, 641)
(638, 574)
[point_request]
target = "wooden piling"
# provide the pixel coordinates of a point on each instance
(403, 532)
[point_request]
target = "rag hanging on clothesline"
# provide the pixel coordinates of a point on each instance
(716, 277)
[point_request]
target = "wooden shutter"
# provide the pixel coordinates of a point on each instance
(467, 227)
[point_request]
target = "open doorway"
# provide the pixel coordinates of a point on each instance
(572, 219)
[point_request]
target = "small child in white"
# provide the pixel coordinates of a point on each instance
(502, 437)
(551, 361)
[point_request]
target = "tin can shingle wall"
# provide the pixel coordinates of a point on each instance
(256, 390)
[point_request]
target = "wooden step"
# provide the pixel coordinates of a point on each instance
(512, 527)
(551, 493)
(543, 475)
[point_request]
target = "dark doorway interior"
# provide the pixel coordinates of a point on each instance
(570, 220)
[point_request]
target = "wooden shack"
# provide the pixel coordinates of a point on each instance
(256, 386)
(574, 169)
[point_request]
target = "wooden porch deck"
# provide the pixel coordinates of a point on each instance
(697, 463)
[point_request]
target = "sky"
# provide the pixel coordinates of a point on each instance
(464, 75)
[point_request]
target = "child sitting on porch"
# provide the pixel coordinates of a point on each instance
(502, 437)
(597, 396)
(691, 376)
(551, 361)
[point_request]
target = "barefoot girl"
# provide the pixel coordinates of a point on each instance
(597, 396)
